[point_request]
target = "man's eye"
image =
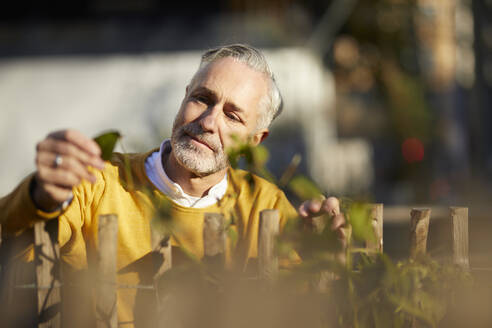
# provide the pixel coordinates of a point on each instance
(232, 117)
(202, 99)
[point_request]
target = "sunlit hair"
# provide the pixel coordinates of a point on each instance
(252, 57)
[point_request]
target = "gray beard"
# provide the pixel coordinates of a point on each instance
(192, 157)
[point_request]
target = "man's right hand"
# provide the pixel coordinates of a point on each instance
(55, 178)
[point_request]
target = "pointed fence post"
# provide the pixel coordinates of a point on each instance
(268, 230)
(214, 240)
(161, 256)
(18, 290)
(106, 302)
(161, 248)
(376, 215)
(419, 228)
(48, 282)
(459, 217)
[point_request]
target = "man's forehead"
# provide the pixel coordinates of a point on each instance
(231, 68)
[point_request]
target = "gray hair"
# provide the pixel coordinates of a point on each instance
(256, 60)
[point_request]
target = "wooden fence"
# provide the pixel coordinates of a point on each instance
(48, 279)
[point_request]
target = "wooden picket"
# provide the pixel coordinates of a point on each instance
(48, 274)
(376, 216)
(419, 228)
(214, 240)
(106, 300)
(459, 217)
(267, 259)
(162, 259)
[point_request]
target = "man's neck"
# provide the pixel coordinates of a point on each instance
(192, 184)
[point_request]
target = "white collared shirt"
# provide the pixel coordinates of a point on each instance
(155, 172)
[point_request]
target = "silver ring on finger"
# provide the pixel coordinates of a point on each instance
(57, 161)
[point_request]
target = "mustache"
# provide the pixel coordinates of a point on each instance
(196, 131)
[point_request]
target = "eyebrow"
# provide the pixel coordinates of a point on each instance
(211, 93)
(206, 91)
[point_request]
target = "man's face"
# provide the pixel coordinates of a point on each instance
(224, 100)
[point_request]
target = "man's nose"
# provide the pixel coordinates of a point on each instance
(208, 120)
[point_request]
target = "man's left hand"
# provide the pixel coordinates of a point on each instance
(317, 207)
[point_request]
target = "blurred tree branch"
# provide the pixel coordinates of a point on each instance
(333, 19)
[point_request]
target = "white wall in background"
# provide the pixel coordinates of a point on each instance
(140, 94)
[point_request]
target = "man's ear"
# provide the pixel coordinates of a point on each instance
(259, 136)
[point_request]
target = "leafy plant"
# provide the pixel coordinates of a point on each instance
(375, 291)
(256, 157)
(107, 142)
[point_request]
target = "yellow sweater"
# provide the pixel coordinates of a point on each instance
(133, 199)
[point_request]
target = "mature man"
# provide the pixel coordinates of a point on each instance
(232, 93)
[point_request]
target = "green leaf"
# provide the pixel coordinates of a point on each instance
(107, 142)
(304, 188)
(358, 216)
(260, 155)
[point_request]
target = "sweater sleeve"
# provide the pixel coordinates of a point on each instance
(18, 212)
(285, 208)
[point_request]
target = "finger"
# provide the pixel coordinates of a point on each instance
(309, 208)
(303, 211)
(313, 206)
(338, 222)
(331, 205)
(47, 160)
(342, 235)
(80, 140)
(59, 194)
(67, 149)
(60, 177)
